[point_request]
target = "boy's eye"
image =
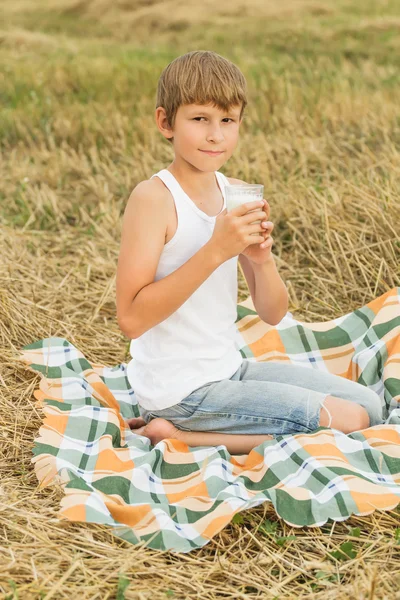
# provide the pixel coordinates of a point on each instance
(226, 118)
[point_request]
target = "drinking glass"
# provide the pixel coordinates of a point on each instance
(240, 194)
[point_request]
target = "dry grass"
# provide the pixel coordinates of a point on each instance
(77, 81)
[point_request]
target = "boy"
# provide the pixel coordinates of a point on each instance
(177, 286)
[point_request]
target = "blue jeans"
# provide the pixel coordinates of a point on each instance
(266, 398)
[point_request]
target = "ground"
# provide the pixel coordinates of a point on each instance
(77, 133)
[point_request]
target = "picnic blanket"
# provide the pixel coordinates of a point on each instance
(173, 497)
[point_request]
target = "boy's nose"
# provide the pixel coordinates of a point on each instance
(215, 136)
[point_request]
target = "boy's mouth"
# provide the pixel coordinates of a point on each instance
(212, 153)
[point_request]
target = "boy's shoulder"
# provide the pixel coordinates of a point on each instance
(151, 192)
(149, 186)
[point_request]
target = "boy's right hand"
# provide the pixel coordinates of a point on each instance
(232, 231)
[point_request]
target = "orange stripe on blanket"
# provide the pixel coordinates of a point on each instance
(338, 360)
(325, 451)
(103, 393)
(390, 311)
(73, 504)
(372, 497)
(108, 460)
(176, 455)
(75, 513)
(386, 433)
(393, 351)
(242, 462)
(213, 522)
(217, 524)
(376, 304)
(200, 489)
(57, 422)
(271, 341)
(322, 446)
(40, 396)
(50, 390)
(177, 446)
(249, 322)
(45, 469)
(391, 369)
(253, 329)
(32, 356)
(129, 515)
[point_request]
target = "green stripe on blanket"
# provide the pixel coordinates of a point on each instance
(174, 497)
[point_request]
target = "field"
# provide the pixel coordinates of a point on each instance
(77, 133)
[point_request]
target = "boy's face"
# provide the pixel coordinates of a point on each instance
(199, 128)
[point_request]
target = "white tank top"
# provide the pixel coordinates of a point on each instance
(198, 343)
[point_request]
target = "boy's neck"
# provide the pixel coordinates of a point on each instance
(198, 183)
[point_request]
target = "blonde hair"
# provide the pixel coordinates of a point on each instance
(200, 77)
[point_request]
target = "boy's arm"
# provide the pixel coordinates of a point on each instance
(267, 289)
(248, 273)
(143, 303)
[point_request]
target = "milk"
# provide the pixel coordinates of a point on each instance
(240, 194)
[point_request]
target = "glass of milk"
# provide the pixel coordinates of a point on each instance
(240, 194)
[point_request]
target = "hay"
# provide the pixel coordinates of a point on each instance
(77, 135)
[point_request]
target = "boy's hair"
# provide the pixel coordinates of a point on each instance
(200, 77)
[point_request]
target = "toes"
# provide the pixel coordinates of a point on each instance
(140, 431)
(136, 422)
(161, 429)
(156, 430)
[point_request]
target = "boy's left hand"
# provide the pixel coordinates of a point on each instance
(256, 252)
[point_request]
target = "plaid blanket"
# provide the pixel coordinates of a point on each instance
(174, 497)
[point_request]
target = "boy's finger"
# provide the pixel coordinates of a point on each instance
(266, 208)
(268, 225)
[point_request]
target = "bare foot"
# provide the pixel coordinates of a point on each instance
(136, 422)
(156, 430)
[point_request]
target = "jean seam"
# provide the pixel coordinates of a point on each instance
(186, 415)
(249, 417)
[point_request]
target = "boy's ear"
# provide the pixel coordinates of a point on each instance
(162, 123)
